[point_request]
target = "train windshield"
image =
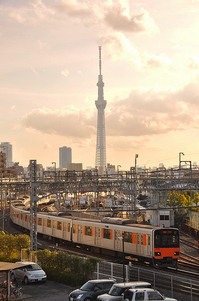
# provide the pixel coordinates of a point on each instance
(168, 238)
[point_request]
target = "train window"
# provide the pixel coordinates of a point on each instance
(107, 233)
(74, 228)
(59, 224)
(166, 238)
(48, 223)
(39, 221)
(141, 239)
(149, 240)
(169, 240)
(157, 240)
(128, 237)
(68, 227)
(88, 230)
(138, 239)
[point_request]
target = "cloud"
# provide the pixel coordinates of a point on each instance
(118, 47)
(74, 8)
(155, 61)
(112, 14)
(118, 18)
(17, 17)
(29, 13)
(41, 10)
(192, 63)
(155, 112)
(125, 143)
(65, 73)
(142, 113)
(67, 121)
(46, 145)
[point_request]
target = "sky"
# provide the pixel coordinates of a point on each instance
(49, 66)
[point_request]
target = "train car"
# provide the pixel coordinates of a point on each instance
(47, 226)
(159, 246)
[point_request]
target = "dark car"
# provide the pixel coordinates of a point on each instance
(91, 289)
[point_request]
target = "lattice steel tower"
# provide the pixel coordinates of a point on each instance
(100, 159)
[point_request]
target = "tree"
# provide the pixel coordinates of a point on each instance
(178, 200)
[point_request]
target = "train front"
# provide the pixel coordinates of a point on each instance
(166, 249)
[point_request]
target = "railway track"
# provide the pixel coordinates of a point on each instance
(194, 245)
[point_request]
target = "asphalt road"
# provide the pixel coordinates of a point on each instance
(50, 290)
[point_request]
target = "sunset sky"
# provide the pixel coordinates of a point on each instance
(49, 70)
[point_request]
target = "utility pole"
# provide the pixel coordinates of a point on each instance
(33, 205)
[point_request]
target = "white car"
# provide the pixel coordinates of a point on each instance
(144, 294)
(31, 272)
(117, 290)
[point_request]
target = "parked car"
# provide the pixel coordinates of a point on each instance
(118, 289)
(91, 289)
(31, 272)
(144, 294)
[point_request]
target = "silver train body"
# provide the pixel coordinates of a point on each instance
(102, 237)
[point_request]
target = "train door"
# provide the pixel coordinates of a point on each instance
(117, 239)
(97, 236)
(53, 228)
(138, 244)
(141, 245)
(149, 243)
(79, 233)
(64, 229)
(44, 225)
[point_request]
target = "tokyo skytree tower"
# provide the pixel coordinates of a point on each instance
(100, 159)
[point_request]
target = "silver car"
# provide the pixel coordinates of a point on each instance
(144, 294)
(117, 290)
(31, 272)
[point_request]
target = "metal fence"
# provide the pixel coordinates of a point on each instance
(172, 286)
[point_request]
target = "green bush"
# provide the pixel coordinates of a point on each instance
(68, 269)
(66, 277)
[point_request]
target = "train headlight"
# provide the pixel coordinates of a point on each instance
(157, 253)
(176, 253)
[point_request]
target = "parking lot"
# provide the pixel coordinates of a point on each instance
(50, 290)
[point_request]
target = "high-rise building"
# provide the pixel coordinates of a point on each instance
(65, 156)
(100, 159)
(6, 147)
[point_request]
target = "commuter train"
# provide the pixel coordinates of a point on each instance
(145, 243)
